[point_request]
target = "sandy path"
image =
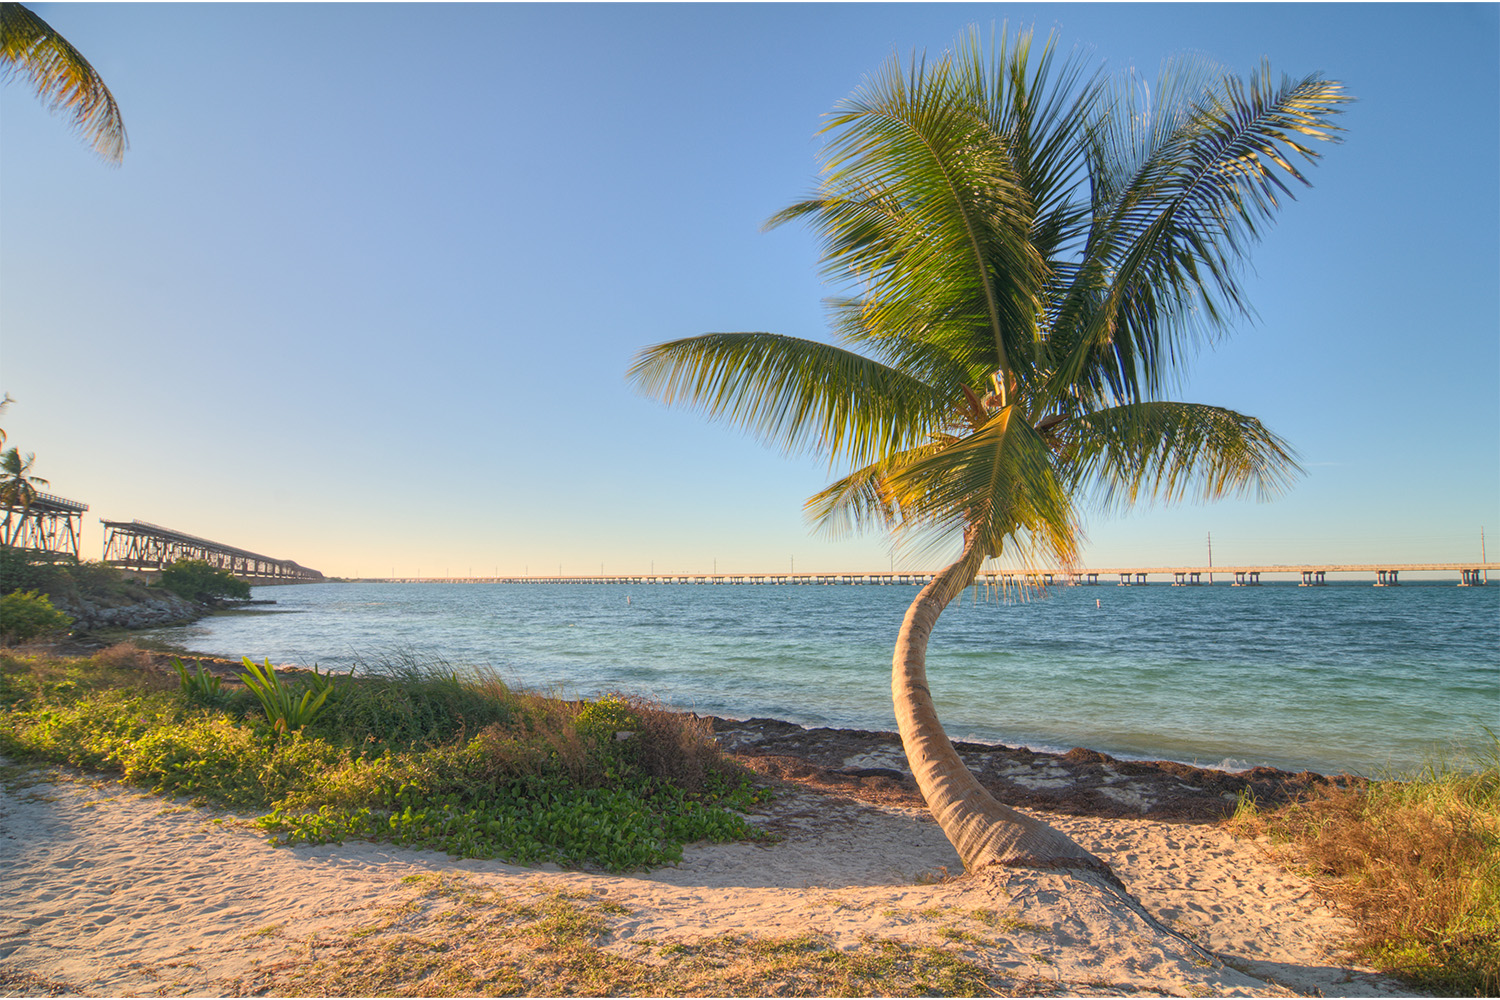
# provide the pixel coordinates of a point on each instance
(105, 890)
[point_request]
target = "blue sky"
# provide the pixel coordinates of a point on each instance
(365, 289)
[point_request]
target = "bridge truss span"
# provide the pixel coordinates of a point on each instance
(141, 546)
(48, 524)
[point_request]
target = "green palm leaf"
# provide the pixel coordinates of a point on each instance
(1180, 190)
(997, 484)
(18, 487)
(791, 393)
(62, 78)
(1169, 452)
(922, 206)
(864, 498)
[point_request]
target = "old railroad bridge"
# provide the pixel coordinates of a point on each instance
(145, 547)
(50, 527)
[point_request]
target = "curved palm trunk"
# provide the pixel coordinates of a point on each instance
(984, 831)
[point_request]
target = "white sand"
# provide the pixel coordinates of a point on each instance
(105, 890)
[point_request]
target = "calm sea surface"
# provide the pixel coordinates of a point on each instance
(1346, 677)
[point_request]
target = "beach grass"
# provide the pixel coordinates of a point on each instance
(419, 755)
(452, 937)
(1415, 863)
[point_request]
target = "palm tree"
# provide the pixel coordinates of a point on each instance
(18, 490)
(1035, 250)
(62, 78)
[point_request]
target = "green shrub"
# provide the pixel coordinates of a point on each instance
(632, 735)
(98, 581)
(604, 720)
(196, 580)
(18, 571)
(65, 581)
(525, 785)
(528, 821)
(24, 615)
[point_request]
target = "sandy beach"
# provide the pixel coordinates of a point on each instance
(111, 891)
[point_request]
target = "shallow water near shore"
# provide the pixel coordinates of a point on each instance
(1345, 677)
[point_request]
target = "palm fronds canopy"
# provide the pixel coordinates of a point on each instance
(1035, 251)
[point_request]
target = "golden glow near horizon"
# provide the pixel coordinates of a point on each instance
(379, 323)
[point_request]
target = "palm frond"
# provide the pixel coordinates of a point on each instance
(998, 483)
(906, 336)
(793, 394)
(853, 504)
(18, 487)
(1168, 452)
(864, 499)
(62, 78)
(1038, 109)
(1181, 185)
(919, 203)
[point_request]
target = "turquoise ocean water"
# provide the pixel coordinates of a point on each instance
(1346, 677)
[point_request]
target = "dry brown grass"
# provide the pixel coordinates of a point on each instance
(126, 656)
(1416, 866)
(675, 746)
(42, 669)
(453, 939)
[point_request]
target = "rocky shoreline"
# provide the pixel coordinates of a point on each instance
(871, 766)
(161, 609)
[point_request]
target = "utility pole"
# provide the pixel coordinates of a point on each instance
(1482, 558)
(1210, 558)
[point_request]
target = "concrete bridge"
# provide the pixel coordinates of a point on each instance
(1312, 575)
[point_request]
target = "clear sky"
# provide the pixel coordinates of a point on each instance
(364, 292)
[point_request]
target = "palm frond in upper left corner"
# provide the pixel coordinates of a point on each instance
(62, 78)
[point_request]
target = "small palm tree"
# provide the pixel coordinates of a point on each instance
(1035, 251)
(18, 490)
(62, 78)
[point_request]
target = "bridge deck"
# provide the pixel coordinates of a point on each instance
(1378, 570)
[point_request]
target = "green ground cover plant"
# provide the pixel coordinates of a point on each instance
(1414, 861)
(25, 615)
(426, 757)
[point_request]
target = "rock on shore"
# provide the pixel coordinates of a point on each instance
(161, 608)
